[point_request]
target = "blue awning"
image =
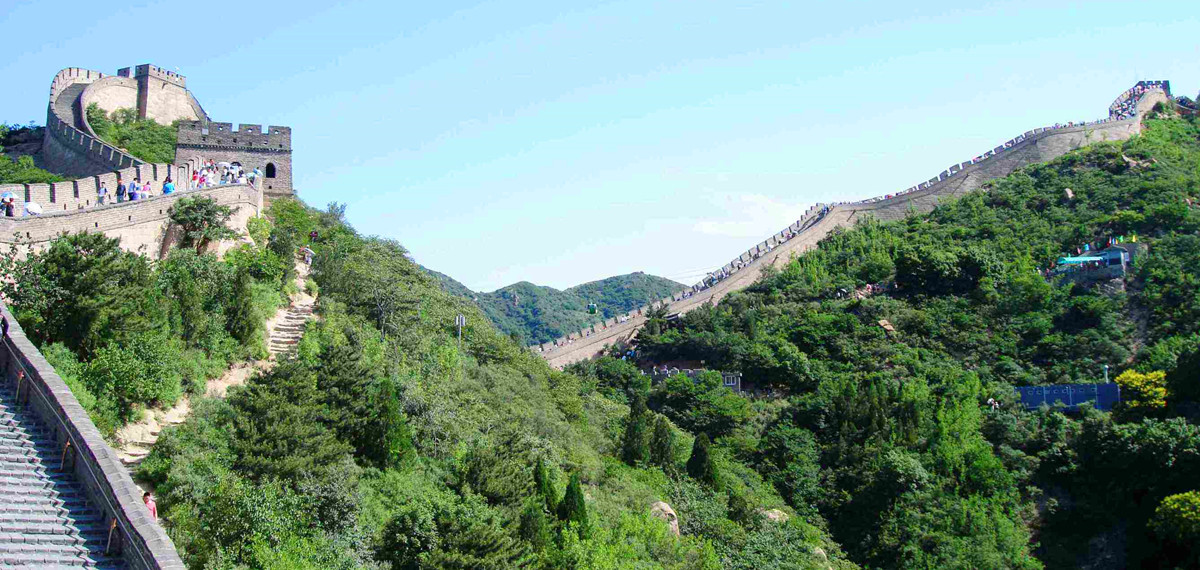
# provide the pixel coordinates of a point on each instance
(1077, 260)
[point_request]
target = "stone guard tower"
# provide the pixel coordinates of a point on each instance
(249, 146)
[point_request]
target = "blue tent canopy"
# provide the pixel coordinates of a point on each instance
(1102, 396)
(1078, 260)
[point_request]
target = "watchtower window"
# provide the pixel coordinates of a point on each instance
(270, 170)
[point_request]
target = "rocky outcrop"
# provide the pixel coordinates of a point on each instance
(665, 512)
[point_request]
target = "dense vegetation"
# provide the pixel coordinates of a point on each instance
(143, 138)
(385, 444)
(126, 334)
(536, 314)
(886, 436)
(21, 169)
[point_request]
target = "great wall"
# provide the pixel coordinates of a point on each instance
(65, 497)
(1037, 145)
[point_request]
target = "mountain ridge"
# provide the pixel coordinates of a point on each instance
(540, 313)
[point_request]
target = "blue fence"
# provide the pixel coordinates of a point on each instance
(1102, 396)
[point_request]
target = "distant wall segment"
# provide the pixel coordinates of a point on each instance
(1038, 145)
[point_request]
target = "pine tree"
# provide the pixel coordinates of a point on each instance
(700, 466)
(534, 528)
(662, 444)
(240, 312)
(634, 449)
(544, 486)
(572, 509)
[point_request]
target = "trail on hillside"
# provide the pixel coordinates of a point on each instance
(283, 330)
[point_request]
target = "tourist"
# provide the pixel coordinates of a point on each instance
(133, 189)
(9, 210)
(308, 255)
(150, 504)
(168, 186)
(146, 191)
(120, 191)
(101, 194)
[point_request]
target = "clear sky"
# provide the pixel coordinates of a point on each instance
(563, 142)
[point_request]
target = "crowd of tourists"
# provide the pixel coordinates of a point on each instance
(209, 174)
(1125, 106)
(132, 191)
(213, 173)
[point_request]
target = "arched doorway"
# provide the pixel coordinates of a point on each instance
(270, 170)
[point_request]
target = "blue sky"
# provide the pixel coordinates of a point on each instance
(563, 142)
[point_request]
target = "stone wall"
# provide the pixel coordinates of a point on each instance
(142, 226)
(136, 535)
(1039, 145)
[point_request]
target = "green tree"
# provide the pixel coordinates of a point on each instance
(477, 545)
(662, 444)
(202, 221)
(1177, 522)
(634, 446)
(544, 486)
(572, 509)
(700, 465)
(83, 291)
(143, 138)
(280, 427)
(239, 315)
(534, 528)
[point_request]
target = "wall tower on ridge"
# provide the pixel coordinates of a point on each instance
(249, 146)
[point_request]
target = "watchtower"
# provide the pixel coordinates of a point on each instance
(161, 93)
(250, 146)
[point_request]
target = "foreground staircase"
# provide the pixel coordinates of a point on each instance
(45, 518)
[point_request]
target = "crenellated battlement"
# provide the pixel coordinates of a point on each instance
(147, 70)
(201, 134)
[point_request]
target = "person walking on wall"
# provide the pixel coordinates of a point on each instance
(168, 186)
(101, 194)
(9, 210)
(133, 190)
(120, 191)
(146, 191)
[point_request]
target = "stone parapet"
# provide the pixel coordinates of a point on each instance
(138, 538)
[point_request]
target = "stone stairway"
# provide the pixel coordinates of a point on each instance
(45, 518)
(287, 332)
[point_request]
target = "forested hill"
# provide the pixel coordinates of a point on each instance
(887, 433)
(540, 314)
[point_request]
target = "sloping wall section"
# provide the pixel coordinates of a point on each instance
(1039, 145)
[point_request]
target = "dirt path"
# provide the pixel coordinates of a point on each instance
(284, 330)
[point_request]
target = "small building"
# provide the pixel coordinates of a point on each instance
(1101, 396)
(1112, 262)
(731, 380)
